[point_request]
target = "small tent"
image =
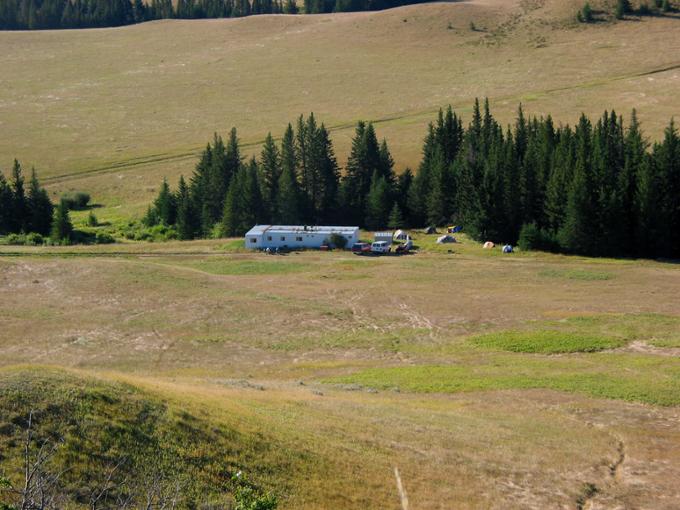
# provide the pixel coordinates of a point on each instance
(400, 235)
(488, 245)
(454, 229)
(446, 240)
(507, 248)
(430, 230)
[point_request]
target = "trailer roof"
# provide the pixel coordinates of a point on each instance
(295, 229)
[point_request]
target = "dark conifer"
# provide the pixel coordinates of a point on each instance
(62, 228)
(40, 209)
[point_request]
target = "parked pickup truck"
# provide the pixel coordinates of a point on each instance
(381, 247)
(360, 248)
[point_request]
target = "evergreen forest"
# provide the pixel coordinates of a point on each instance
(63, 14)
(598, 188)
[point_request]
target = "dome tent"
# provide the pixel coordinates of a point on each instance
(446, 240)
(488, 245)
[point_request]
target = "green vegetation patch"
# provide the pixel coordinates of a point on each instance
(249, 267)
(635, 378)
(576, 274)
(116, 436)
(546, 342)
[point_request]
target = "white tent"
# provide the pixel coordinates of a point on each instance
(488, 245)
(446, 240)
(507, 248)
(401, 235)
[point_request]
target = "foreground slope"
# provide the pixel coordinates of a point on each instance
(490, 381)
(113, 110)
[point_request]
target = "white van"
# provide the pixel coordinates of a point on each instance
(381, 247)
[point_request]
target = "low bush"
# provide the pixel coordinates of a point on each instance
(30, 239)
(138, 231)
(76, 200)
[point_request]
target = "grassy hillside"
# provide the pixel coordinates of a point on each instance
(113, 110)
(113, 442)
(485, 378)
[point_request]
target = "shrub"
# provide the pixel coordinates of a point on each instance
(92, 220)
(338, 241)
(533, 238)
(585, 15)
(76, 199)
(104, 238)
(34, 239)
(16, 239)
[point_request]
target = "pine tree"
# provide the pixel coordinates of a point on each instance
(62, 228)
(290, 7)
(231, 216)
(164, 209)
(288, 207)
(329, 178)
(19, 208)
(6, 206)
(419, 190)
(40, 209)
(187, 222)
(377, 203)
(395, 220)
(579, 230)
(271, 173)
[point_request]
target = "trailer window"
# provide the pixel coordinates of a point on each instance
(269, 238)
(298, 239)
(283, 238)
(253, 240)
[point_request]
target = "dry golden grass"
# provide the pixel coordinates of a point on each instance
(230, 335)
(112, 111)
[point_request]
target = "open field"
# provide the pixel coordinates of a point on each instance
(113, 111)
(469, 371)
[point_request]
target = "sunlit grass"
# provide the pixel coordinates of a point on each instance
(649, 379)
(546, 342)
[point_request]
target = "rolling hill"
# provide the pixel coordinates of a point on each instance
(113, 110)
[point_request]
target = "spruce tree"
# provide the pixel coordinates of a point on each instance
(270, 160)
(62, 228)
(187, 223)
(165, 206)
(377, 203)
(419, 190)
(288, 207)
(40, 209)
(579, 229)
(6, 207)
(19, 205)
(396, 219)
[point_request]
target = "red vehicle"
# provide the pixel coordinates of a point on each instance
(360, 248)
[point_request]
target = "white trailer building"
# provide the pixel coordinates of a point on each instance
(296, 236)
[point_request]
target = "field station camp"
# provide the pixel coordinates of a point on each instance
(261, 237)
(340, 255)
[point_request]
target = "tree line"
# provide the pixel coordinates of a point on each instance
(586, 14)
(62, 14)
(24, 211)
(597, 188)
